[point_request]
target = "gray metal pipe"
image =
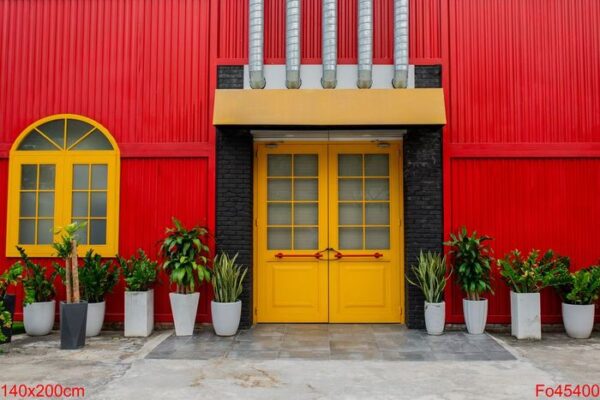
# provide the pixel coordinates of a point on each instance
(256, 44)
(400, 44)
(365, 44)
(292, 44)
(329, 46)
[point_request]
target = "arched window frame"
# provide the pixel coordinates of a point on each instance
(63, 159)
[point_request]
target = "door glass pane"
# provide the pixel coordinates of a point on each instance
(350, 214)
(279, 238)
(377, 189)
(75, 130)
(350, 189)
(47, 174)
(94, 141)
(44, 233)
(55, 130)
(376, 165)
(279, 214)
(46, 204)
(99, 175)
(279, 189)
(28, 177)
(26, 231)
(377, 213)
(98, 231)
(305, 165)
(350, 238)
(279, 165)
(305, 189)
(377, 238)
(27, 208)
(82, 236)
(80, 177)
(98, 204)
(80, 204)
(305, 238)
(35, 141)
(350, 165)
(306, 214)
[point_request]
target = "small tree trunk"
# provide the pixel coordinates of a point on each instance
(68, 279)
(75, 271)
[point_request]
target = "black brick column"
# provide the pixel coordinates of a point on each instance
(423, 202)
(235, 191)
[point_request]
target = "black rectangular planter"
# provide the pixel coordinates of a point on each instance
(9, 305)
(73, 318)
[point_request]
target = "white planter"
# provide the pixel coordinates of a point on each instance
(525, 315)
(226, 317)
(38, 318)
(139, 313)
(184, 308)
(435, 317)
(95, 318)
(578, 320)
(475, 312)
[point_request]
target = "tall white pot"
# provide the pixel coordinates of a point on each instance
(435, 317)
(578, 320)
(139, 313)
(38, 317)
(226, 317)
(95, 318)
(184, 308)
(475, 312)
(525, 315)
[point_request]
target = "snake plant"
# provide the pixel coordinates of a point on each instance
(227, 278)
(430, 276)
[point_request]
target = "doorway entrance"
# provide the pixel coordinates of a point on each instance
(328, 232)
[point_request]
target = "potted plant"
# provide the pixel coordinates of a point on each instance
(97, 279)
(185, 261)
(10, 277)
(579, 292)
(430, 276)
(472, 263)
(526, 277)
(140, 274)
(226, 308)
(38, 305)
(73, 311)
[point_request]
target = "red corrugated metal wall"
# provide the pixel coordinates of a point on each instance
(140, 68)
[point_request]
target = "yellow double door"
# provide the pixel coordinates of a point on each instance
(328, 234)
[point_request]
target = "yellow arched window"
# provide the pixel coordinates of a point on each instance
(63, 168)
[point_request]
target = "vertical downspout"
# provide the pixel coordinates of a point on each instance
(256, 43)
(329, 79)
(400, 44)
(292, 44)
(365, 44)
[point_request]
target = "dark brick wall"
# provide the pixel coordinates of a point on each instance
(423, 202)
(230, 77)
(234, 205)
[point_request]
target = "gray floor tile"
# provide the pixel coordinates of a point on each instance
(311, 354)
(356, 355)
(352, 345)
(255, 345)
(406, 356)
(253, 355)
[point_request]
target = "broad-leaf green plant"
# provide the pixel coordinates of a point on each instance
(530, 274)
(9, 277)
(139, 272)
(430, 275)
(227, 278)
(581, 287)
(37, 285)
(5, 320)
(97, 278)
(185, 256)
(472, 262)
(66, 249)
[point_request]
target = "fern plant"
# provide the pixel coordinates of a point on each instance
(530, 274)
(227, 278)
(472, 262)
(139, 272)
(37, 285)
(185, 256)
(430, 276)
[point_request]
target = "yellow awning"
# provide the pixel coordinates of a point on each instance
(342, 107)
